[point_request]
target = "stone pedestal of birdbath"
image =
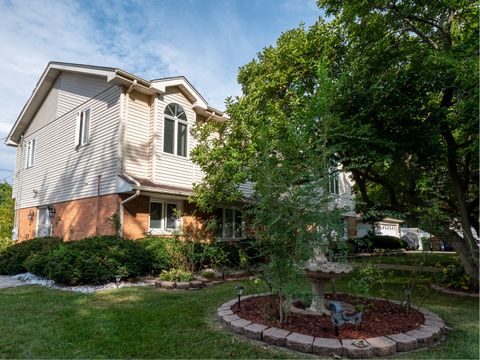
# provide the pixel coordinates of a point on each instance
(319, 271)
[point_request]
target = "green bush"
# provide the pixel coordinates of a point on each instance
(360, 245)
(387, 242)
(13, 258)
(97, 260)
(160, 252)
(5, 242)
(453, 276)
(176, 275)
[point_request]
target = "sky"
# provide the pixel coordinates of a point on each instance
(204, 40)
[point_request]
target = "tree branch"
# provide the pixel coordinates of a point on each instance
(417, 31)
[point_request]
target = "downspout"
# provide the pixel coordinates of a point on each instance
(124, 148)
(98, 202)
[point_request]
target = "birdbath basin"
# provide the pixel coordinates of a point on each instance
(319, 271)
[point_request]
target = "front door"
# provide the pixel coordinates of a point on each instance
(44, 226)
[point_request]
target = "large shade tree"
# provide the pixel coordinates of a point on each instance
(387, 88)
(404, 113)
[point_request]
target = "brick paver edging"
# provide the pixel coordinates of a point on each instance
(430, 333)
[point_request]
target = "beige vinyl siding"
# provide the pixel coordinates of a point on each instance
(62, 172)
(168, 168)
(246, 189)
(47, 111)
(75, 89)
(138, 140)
(151, 136)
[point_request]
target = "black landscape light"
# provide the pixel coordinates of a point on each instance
(239, 289)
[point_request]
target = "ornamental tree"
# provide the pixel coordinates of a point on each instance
(274, 142)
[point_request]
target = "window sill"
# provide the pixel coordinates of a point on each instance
(163, 232)
(173, 156)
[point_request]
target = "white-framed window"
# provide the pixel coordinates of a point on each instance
(164, 216)
(44, 222)
(230, 223)
(333, 185)
(30, 154)
(82, 134)
(175, 130)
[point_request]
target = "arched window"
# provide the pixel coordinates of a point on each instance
(175, 130)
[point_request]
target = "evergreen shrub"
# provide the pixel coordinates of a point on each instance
(13, 258)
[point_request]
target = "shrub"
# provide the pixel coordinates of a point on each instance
(176, 275)
(13, 258)
(160, 252)
(453, 276)
(387, 242)
(360, 245)
(5, 242)
(97, 260)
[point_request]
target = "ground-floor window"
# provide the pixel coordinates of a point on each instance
(44, 224)
(164, 216)
(230, 223)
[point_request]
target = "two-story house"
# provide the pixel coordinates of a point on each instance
(101, 150)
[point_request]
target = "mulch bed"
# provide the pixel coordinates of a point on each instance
(380, 318)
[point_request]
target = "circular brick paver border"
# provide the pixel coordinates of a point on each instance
(430, 333)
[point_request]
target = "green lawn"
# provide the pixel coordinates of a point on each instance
(145, 322)
(429, 259)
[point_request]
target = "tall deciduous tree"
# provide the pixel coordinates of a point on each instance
(404, 113)
(387, 88)
(6, 210)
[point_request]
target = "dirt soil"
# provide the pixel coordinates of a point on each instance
(380, 318)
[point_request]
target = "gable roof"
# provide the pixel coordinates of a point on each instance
(112, 75)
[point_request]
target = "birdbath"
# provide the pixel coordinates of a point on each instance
(319, 271)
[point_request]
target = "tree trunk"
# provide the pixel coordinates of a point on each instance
(468, 258)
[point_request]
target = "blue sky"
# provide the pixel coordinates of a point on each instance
(204, 40)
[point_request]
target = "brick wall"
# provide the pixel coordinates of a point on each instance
(77, 219)
(26, 228)
(136, 217)
(74, 219)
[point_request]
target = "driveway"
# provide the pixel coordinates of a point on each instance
(8, 282)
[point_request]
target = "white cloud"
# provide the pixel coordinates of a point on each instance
(205, 41)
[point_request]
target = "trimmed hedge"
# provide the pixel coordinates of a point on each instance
(371, 242)
(97, 260)
(13, 258)
(387, 242)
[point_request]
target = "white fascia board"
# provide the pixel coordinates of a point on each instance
(183, 84)
(210, 113)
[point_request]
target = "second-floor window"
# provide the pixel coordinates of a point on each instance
(82, 136)
(175, 130)
(333, 183)
(30, 154)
